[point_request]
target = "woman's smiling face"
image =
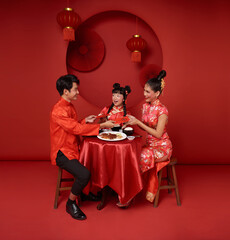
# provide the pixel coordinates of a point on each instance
(117, 99)
(150, 95)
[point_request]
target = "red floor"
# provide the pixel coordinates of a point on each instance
(27, 195)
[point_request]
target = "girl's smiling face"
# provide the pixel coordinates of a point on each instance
(117, 99)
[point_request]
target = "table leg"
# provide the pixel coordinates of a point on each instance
(104, 196)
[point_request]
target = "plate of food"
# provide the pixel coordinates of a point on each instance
(112, 136)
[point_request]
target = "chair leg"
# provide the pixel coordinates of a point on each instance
(169, 180)
(158, 190)
(176, 186)
(58, 187)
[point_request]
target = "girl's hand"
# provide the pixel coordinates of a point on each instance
(90, 119)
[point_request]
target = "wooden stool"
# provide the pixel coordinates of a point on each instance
(172, 182)
(60, 179)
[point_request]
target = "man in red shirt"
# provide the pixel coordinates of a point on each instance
(64, 129)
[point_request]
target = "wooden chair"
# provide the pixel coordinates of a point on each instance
(59, 188)
(172, 182)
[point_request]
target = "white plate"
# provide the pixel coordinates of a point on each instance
(123, 136)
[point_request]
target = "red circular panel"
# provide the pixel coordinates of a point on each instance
(87, 52)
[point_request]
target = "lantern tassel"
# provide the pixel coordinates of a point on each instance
(69, 34)
(136, 56)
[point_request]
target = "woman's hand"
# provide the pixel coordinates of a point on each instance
(132, 121)
(159, 129)
(156, 132)
(90, 119)
(107, 124)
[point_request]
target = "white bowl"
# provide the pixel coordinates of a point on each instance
(130, 137)
(128, 130)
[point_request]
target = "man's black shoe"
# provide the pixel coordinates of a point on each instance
(75, 211)
(90, 197)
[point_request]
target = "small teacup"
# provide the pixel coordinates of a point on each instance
(130, 137)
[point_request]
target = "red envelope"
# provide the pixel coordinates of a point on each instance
(101, 116)
(122, 120)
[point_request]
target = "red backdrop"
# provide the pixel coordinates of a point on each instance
(194, 37)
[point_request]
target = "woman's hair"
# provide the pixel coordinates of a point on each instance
(66, 82)
(124, 91)
(156, 83)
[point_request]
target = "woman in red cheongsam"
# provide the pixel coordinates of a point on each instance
(118, 106)
(158, 149)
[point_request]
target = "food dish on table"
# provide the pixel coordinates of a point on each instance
(112, 136)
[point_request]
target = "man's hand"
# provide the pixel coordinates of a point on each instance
(107, 124)
(90, 119)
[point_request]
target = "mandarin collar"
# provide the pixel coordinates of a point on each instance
(118, 108)
(64, 102)
(156, 102)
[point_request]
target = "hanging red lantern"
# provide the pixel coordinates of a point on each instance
(69, 21)
(136, 44)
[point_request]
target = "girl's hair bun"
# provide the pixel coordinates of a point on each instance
(127, 89)
(161, 75)
(116, 85)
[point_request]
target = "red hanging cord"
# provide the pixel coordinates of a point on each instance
(136, 26)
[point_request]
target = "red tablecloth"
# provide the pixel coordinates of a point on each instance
(113, 164)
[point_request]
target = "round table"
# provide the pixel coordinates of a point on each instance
(114, 164)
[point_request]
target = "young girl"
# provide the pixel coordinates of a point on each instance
(158, 149)
(118, 106)
(117, 110)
